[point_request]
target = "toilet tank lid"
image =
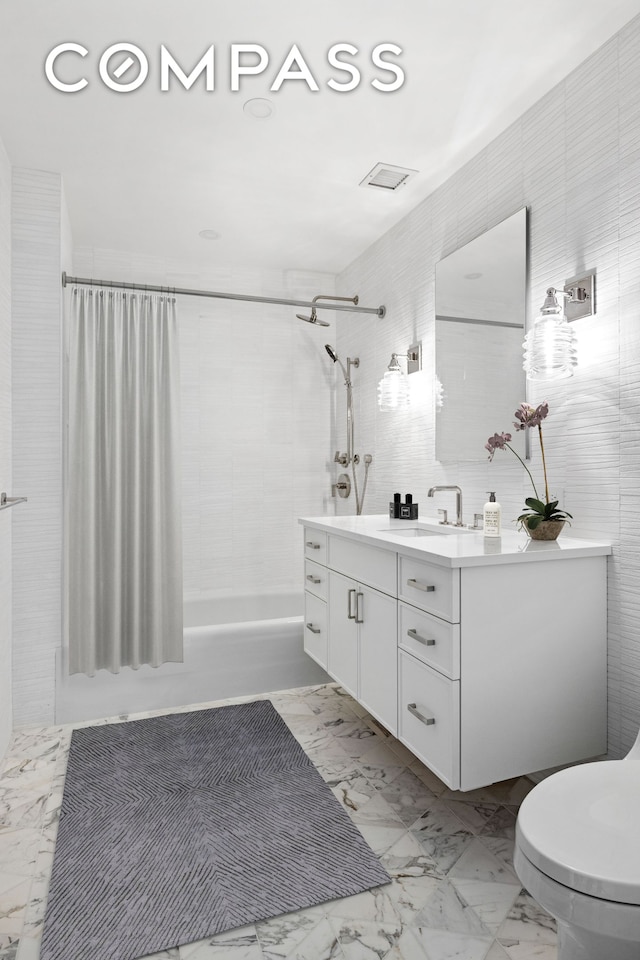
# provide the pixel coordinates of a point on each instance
(581, 827)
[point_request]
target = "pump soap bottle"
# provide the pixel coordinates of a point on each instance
(492, 517)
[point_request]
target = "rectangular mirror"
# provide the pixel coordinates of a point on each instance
(480, 326)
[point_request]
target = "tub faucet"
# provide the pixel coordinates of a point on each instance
(458, 492)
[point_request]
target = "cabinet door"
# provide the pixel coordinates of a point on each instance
(343, 632)
(378, 690)
(315, 628)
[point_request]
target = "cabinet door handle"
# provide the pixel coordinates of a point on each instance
(313, 579)
(427, 587)
(428, 641)
(314, 546)
(412, 708)
(313, 629)
(358, 618)
(352, 593)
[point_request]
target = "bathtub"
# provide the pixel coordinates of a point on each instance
(232, 646)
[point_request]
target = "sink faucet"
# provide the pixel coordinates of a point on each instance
(458, 491)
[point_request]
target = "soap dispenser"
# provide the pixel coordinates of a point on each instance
(492, 516)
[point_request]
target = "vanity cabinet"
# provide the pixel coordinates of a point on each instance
(485, 668)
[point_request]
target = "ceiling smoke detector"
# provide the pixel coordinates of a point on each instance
(385, 176)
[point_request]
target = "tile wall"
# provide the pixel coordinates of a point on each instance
(37, 237)
(574, 161)
(5, 449)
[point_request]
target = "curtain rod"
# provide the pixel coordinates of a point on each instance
(153, 288)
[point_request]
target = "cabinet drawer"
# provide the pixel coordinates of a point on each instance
(430, 639)
(316, 579)
(315, 545)
(430, 587)
(429, 718)
(315, 628)
(371, 565)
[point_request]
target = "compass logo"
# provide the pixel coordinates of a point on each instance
(124, 67)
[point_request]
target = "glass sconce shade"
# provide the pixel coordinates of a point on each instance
(550, 346)
(393, 389)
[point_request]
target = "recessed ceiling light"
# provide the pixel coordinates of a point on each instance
(209, 235)
(472, 276)
(259, 108)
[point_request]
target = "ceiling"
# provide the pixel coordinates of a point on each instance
(146, 171)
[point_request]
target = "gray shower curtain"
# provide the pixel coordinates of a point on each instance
(123, 542)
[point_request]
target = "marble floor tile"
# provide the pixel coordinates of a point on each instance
(526, 921)
(366, 940)
(524, 950)
(497, 952)
(449, 853)
(408, 796)
(372, 905)
(491, 902)
(240, 944)
(444, 945)
(448, 909)
(479, 863)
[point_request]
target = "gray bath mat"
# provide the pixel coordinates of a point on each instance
(179, 827)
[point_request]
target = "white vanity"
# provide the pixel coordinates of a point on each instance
(486, 658)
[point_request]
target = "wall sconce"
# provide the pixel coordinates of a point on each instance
(550, 346)
(394, 390)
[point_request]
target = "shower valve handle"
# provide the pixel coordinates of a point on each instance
(341, 458)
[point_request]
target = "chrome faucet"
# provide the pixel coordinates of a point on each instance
(458, 491)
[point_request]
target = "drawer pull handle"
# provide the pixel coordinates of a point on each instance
(313, 579)
(359, 618)
(352, 593)
(313, 629)
(314, 546)
(428, 642)
(427, 587)
(412, 708)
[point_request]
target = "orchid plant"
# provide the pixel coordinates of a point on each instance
(527, 417)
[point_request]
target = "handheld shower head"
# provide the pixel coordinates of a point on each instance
(336, 359)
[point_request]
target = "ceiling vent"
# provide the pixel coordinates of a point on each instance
(387, 177)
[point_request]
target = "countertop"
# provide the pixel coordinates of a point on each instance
(452, 548)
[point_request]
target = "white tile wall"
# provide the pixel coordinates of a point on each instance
(5, 449)
(574, 160)
(255, 420)
(37, 449)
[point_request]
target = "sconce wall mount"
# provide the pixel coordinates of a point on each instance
(581, 293)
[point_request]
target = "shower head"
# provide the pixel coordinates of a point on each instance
(336, 359)
(313, 319)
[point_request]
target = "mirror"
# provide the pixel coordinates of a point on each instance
(480, 326)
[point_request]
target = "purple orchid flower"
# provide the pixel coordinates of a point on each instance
(529, 416)
(497, 442)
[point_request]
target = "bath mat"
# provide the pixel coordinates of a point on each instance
(179, 827)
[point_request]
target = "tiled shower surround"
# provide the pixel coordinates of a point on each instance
(453, 892)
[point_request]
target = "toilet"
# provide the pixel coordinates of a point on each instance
(577, 852)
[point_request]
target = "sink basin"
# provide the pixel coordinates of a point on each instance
(424, 531)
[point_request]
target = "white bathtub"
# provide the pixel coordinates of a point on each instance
(232, 646)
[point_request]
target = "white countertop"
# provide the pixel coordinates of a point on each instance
(451, 548)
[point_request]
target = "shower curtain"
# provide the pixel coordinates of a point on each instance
(123, 543)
